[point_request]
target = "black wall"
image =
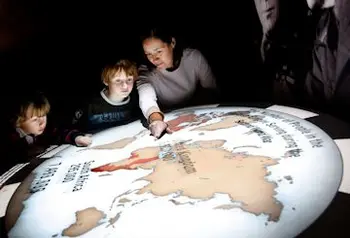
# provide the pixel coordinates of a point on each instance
(61, 48)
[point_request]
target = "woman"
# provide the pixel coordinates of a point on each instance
(171, 78)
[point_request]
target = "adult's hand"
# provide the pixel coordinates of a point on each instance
(158, 128)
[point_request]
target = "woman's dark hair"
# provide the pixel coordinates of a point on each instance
(165, 35)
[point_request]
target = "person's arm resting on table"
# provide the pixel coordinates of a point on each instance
(75, 136)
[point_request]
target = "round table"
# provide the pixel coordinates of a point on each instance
(223, 171)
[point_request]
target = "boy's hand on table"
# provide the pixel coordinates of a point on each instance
(85, 140)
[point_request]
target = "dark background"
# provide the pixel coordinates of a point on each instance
(60, 47)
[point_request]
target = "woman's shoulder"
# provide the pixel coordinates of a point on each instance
(192, 53)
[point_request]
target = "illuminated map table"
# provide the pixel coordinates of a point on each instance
(224, 172)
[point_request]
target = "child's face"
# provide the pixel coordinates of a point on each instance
(120, 85)
(33, 124)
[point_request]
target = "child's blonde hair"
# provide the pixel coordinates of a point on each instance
(128, 66)
(36, 102)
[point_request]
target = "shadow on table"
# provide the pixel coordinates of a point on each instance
(333, 222)
(334, 127)
(24, 172)
(19, 177)
(3, 233)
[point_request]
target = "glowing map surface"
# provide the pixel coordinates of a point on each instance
(224, 172)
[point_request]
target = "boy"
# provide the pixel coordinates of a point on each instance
(115, 105)
(27, 131)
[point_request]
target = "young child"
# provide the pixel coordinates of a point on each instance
(31, 117)
(116, 104)
(26, 129)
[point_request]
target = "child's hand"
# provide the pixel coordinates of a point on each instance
(85, 140)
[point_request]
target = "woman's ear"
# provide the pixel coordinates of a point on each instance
(173, 42)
